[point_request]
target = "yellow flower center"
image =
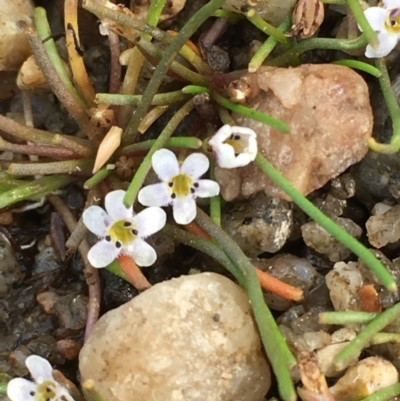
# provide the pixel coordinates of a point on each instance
(392, 22)
(45, 391)
(238, 144)
(122, 232)
(181, 185)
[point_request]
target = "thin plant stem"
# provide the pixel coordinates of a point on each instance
(346, 317)
(160, 99)
(317, 43)
(153, 115)
(38, 150)
(168, 57)
(393, 109)
(148, 48)
(75, 108)
(382, 338)
(359, 65)
(78, 145)
(275, 346)
(268, 29)
(145, 166)
(60, 167)
(41, 186)
(215, 201)
(207, 247)
(267, 281)
(266, 48)
(362, 21)
(44, 32)
(386, 394)
(238, 108)
(91, 274)
(80, 76)
(347, 354)
(132, 272)
(115, 65)
(176, 142)
(97, 178)
(383, 275)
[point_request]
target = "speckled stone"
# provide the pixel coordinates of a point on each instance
(191, 338)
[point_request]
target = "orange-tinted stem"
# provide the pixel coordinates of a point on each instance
(267, 281)
(133, 273)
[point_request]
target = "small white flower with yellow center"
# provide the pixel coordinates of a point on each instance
(180, 185)
(122, 231)
(44, 387)
(386, 22)
(234, 146)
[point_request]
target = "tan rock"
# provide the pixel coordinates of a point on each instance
(327, 108)
(14, 47)
(191, 338)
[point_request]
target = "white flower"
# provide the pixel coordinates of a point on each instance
(234, 146)
(44, 386)
(386, 22)
(180, 185)
(122, 231)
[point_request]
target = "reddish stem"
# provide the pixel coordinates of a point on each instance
(133, 273)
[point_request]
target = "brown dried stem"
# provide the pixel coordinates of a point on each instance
(115, 66)
(61, 167)
(91, 274)
(66, 98)
(80, 76)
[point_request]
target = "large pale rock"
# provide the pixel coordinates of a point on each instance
(191, 338)
(14, 47)
(327, 108)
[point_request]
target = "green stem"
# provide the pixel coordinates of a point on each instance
(362, 21)
(354, 348)
(386, 394)
(177, 142)
(168, 57)
(145, 166)
(115, 268)
(148, 48)
(346, 317)
(41, 186)
(359, 65)
(206, 247)
(238, 108)
(275, 346)
(227, 14)
(393, 109)
(154, 12)
(384, 277)
(266, 48)
(63, 167)
(97, 178)
(381, 338)
(268, 29)
(113, 99)
(44, 32)
(317, 43)
(215, 201)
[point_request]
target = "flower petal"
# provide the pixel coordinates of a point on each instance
(184, 210)
(149, 221)
(221, 135)
(376, 17)
(195, 165)
(207, 189)
(165, 164)
(387, 42)
(391, 4)
(21, 390)
(39, 368)
(103, 253)
(96, 220)
(141, 252)
(114, 204)
(154, 195)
